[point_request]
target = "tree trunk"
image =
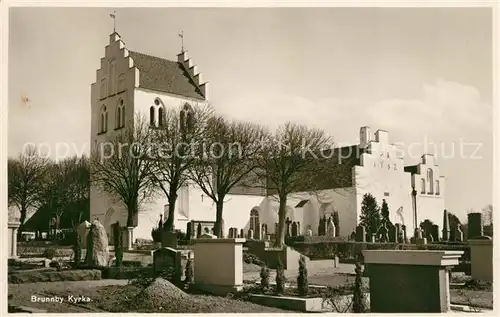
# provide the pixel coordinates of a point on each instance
(131, 210)
(280, 236)
(169, 224)
(218, 218)
(22, 218)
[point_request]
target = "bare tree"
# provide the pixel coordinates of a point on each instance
(291, 161)
(225, 157)
(487, 212)
(25, 177)
(180, 129)
(122, 167)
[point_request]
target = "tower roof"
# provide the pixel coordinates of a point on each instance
(163, 75)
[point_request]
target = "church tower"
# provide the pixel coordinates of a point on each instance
(129, 83)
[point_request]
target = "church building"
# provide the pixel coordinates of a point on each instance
(130, 83)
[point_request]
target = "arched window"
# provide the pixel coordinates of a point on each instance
(255, 222)
(123, 115)
(104, 91)
(112, 77)
(161, 115)
(121, 83)
(187, 119)
(152, 120)
(120, 115)
(437, 188)
(430, 180)
(103, 120)
(422, 182)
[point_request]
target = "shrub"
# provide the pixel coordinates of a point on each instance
(280, 278)
(264, 278)
(249, 258)
(49, 253)
(77, 250)
(189, 273)
(117, 235)
(302, 284)
(156, 234)
(358, 300)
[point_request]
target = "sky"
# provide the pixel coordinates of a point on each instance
(423, 74)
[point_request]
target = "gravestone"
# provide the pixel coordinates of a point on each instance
(322, 227)
(83, 231)
(330, 231)
(360, 234)
(374, 237)
(167, 261)
(298, 228)
(189, 232)
(398, 233)
(198, 230)
(435, 233)
(168, 239)
(294, 229)
(409, 281)
(392, 232)
(474, 225)
(97, 254)
(405, 234)
(446, 226)
(263, 231)
(242, 233)
(430, 238)
(250, 234)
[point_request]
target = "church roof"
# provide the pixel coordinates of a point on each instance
(164, 75)
(302, 203)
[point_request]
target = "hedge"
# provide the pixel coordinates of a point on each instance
(351, 249)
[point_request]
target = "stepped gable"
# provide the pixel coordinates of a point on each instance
(166, 76)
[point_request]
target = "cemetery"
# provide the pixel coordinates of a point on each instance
(197, 271)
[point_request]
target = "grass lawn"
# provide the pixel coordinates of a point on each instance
(111, 295)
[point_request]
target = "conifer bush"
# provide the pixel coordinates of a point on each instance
(280, 278)
(264, 278)
(302, 283)
(358, 300)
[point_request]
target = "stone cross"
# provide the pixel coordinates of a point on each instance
(242, 233)
(250, 234)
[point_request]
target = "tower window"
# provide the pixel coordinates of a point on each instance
(103, 120)
(422, 183)
(430, 180)
(120, 115)
(437, 188)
